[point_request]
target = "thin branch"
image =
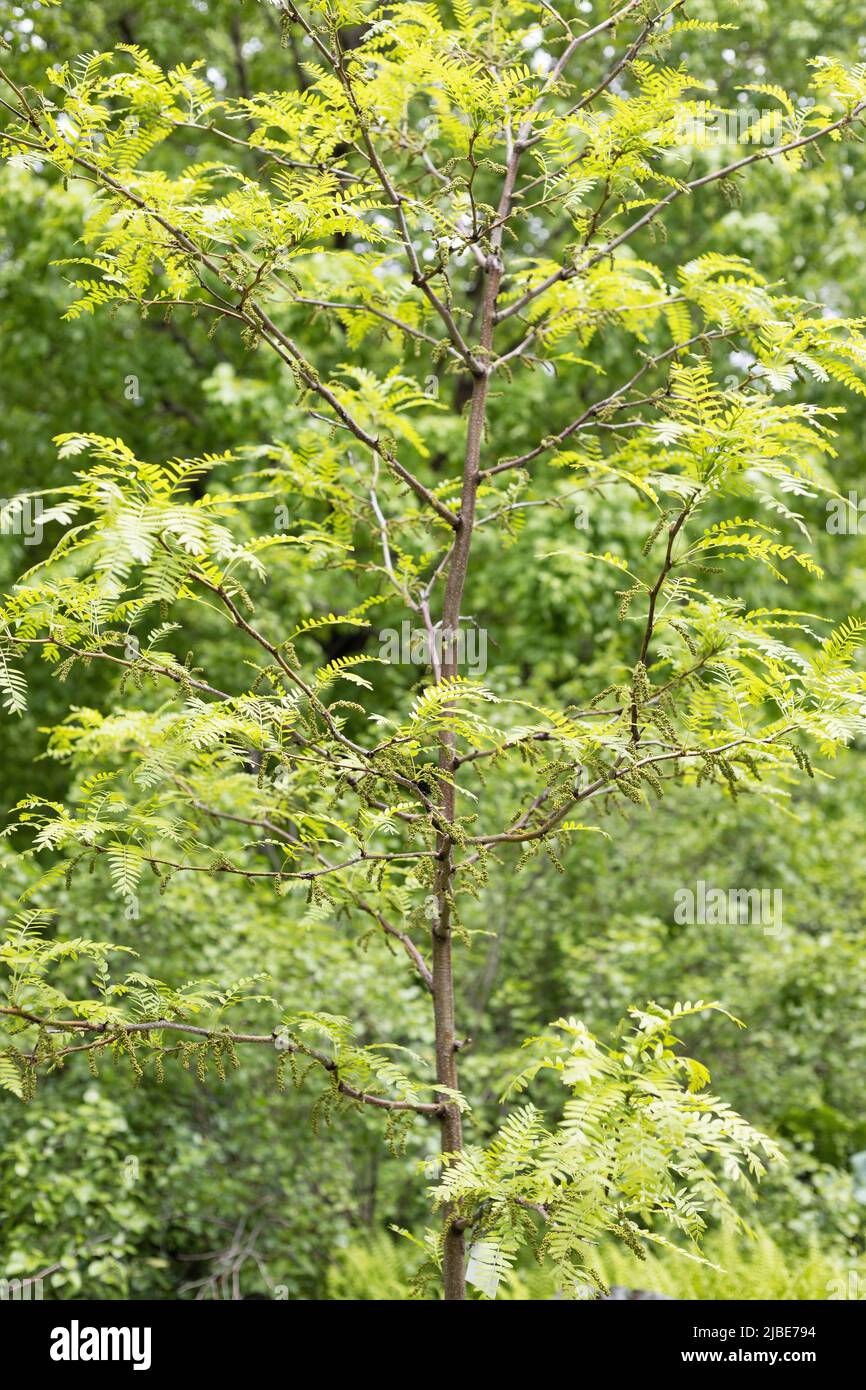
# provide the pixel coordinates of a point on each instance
(569, 272)
(552, 441)
(77, 1025)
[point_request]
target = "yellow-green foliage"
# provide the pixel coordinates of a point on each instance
(752, 1269)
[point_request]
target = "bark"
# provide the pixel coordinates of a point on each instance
(454, 1279)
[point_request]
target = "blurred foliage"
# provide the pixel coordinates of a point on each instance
(175, 1190)
(761, 1268)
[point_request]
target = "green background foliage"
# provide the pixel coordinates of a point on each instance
(173, 1188)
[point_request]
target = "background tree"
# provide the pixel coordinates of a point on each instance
(428, 209)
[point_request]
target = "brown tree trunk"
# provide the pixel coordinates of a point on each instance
(454, 1278)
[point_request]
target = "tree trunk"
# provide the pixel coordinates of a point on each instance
(454, 1278)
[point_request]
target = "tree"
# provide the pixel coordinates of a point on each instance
(395, 198)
